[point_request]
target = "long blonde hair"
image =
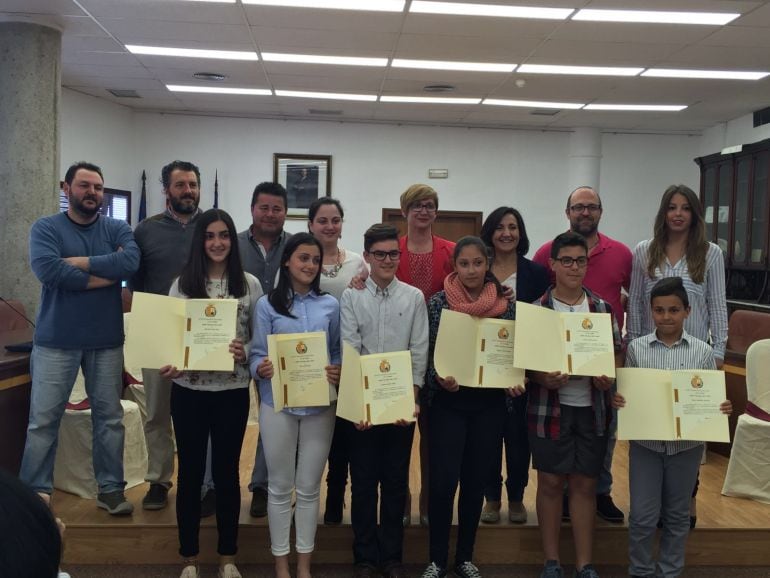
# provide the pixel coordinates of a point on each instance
(697, 245)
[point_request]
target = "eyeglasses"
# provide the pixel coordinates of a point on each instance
(567, 262)
(580, 208)
(429, 208)
(380, 255)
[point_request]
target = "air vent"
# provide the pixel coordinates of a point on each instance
(324, 111)
(761, 117)
(123, 93)
(211, 76)
(439, 88)
(545, 111)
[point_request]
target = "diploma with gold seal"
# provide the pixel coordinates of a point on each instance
(377, 388)
(476, 351)
(299, 369)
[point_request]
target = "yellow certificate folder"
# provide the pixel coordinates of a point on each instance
(476, 351)
(377, 388)
(573, 343)
(299, 369)
(672, 405)
(191, 334)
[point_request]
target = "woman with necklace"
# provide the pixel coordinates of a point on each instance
(340, 265)
(212, 404)
(505, 235)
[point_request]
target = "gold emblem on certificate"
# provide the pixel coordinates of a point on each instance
(696, 382)
(210, 310)
(301, 348)
(587, 324)
(384, 366)
(503, 333)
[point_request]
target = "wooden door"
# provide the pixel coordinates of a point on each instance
(451, 225)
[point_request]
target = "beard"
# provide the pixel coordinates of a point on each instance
(585, 227)
(179, 205)
(79, 207)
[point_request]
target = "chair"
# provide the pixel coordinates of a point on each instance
(748, 472)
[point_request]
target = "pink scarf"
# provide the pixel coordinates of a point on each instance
(489, 303)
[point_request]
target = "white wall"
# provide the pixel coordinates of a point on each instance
(373, 164)
(739, 131)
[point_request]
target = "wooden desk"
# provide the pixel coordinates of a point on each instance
(15, 386)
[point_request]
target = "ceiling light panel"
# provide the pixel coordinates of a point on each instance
(326, 95)
(367, 5)
(219, 90)
(192, 52)
(578, 70)
(638, 107)
(533, 103)
(317, 59)
(430, 100)
(713, 74)
(656, 17)
(495, 10)
(452, 65)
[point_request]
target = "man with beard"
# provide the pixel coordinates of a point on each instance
(164, 240)
(80, 257)
(261, 247)
(609, 271)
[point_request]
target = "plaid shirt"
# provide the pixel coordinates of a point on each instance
(544, 408)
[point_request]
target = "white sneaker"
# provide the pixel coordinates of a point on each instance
(228, 571)
(190, 571)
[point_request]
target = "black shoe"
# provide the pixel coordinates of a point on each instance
(394, 571)
(209, 503)
(434, 571)
(258, 507)
(466, 570)
(607, 509)
(365, 571)
(565, 509)
(156, 497)
(115, 503)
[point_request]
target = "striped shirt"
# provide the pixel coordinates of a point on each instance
(687, 353)
(708, 300)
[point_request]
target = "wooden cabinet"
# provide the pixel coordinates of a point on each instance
(735, 192)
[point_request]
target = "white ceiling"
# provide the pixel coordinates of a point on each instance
(95, 59)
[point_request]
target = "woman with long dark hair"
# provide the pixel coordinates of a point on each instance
(465, 422)
(296, 439)
(505, 235)
(212, 404)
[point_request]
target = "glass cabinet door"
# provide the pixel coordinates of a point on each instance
(759, 209)
(709, 194)
(741, 217)
(724, 195)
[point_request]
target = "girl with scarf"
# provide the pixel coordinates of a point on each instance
(465, 422)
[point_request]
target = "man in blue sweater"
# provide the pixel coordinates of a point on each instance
(80, 257)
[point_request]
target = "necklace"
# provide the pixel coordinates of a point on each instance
(221, 292)
(570, 305)
(332, 271)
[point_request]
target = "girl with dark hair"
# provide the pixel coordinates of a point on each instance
(505, 235)
(212, 404)
(465, 423)
(296, 439)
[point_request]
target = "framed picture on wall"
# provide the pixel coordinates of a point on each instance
(305, 177)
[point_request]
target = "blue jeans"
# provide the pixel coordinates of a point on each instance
(53, 376)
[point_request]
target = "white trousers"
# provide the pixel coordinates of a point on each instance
(296, 449)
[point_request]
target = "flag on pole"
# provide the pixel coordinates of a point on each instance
(143, 199)
(216, 189)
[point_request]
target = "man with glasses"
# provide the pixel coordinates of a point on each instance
(261, 247)
(567, 419)
(607, 274)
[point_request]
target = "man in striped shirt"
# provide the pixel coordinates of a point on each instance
(662, 473)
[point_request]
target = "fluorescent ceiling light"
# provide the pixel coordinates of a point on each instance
(532, 103)
(192, 52)
(656, 16)
(315, 59)
(430, 100)
(326, 95)
(586, 70)
(720, 74)
(213, 1)
(641, 107)
(451, 65)
(498, 10)
(370, 5)
(219, 90)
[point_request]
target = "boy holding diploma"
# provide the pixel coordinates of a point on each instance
(662, 473)
(387, 316)
(568, 420)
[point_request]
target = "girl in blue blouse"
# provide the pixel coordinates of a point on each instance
(296, 439)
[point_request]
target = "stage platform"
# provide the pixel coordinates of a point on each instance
(730, 531)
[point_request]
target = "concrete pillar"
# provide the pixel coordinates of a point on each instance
(585, 158)
(30, 91)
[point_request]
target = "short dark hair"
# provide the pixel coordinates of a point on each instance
(493, 220)
(670, 286)
(379, 232)
(568, 239)
(270, 188)
(72, 171)
(31, 544)
(165, 172)
(569, 198)
(320, 202)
